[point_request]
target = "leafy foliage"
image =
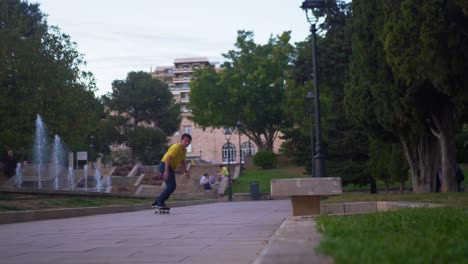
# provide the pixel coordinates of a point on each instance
(141, 114)
(265, 159)
(40, 74)
(250, 88)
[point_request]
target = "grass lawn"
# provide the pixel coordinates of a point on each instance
(263, 177)
(417, 235)
(38, 202)
(414, 235)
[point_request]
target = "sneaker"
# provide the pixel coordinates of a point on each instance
(159, 205)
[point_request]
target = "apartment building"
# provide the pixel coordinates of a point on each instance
(208, 145)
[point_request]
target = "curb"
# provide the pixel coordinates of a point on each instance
(36, 215)
(294, 242)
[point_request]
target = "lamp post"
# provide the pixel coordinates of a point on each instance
(308, 100)
(239, 126)
(91, 154)
(227, 134)
(310, 6)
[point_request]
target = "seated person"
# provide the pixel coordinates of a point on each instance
(205, 182)
(213, 179)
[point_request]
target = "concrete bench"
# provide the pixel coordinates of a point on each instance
(305, 192)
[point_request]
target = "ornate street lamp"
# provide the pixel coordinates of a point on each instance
(311, 7)
(309, 97)
(227, 134)
(239, 126)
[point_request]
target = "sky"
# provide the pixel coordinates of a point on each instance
(120, 36)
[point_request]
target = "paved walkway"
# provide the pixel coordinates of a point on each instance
(211, 233)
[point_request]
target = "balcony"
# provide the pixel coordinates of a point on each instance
(182, 80)
(183, 70)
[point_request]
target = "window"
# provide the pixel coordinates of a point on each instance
(170, 71)
(247, 149)
(229, 152)
(186, 86)
(188, 129)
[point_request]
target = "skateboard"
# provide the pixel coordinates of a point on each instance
(162, 210)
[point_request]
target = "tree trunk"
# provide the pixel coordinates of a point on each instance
(444, 130)
(421, 153)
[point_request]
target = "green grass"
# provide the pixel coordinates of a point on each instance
(263, 177)
(418, 235)
(38, 202)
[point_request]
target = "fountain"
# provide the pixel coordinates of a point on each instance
(97, 177)
(85, 172)
(57, 156)
(19, 176)
(40, 143)
(71, 179)
(108, 184)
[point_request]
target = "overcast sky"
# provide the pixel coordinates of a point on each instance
(119, 36)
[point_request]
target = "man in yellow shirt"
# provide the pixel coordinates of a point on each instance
(174, 157)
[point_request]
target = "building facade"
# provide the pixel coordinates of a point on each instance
(209, 145)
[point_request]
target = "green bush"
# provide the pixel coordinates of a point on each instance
(265, 159)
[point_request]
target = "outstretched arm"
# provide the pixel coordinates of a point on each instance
(186, 172)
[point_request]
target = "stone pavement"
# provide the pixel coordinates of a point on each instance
(223, 232)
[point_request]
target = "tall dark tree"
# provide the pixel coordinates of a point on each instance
(40, 74)
(426, 44)
(144, 112)
(250, 88)
(390, 92)
(346, 143)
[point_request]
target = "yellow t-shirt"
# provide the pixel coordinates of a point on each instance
(177, 152)
(224, 171)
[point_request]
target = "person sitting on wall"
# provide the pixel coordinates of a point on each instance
(205, 182)
(213, 180)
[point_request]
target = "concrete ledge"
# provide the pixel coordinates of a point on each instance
(306, 186)
(369, 207)
(35, 215)
(305, 192)
(246, 196)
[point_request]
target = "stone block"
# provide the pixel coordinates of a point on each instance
(306, 186)
(305, 205)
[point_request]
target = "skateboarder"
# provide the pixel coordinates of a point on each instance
(173, 157)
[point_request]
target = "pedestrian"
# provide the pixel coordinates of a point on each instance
(205, 182)
(212, 179)
(174, 157)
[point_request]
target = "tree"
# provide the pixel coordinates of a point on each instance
(387, 163)
(250, 87)
(346, 143)
(40, 74)
(144, 112)
(389, 92)
(426, 45)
